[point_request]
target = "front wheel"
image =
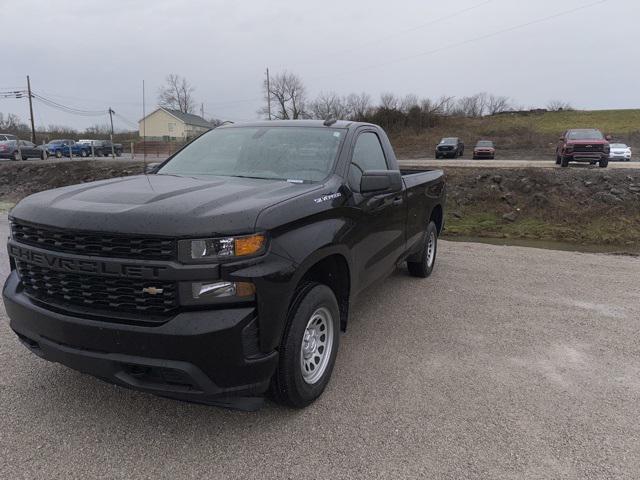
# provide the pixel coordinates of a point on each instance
(564, 161)
(603, 163)
(421, 264)
(58, 154)
(309, 346)
(83, 153)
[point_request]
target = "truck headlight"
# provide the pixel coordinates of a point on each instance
(223, 248)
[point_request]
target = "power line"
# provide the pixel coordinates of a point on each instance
(475, 39)
(67, 109)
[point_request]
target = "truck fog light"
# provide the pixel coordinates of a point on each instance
(222, 289)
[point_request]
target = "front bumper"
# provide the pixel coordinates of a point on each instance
(587, 156)
(204, 356)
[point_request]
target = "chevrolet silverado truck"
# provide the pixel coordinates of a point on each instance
(583, 145)
(230, 270)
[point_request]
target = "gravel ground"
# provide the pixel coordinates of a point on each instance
(507, 363)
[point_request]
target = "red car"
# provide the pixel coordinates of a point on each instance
(583, 145)
(484, 149)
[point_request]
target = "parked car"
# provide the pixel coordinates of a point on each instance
(68, 148)
(484, 149)
(620, 151)
(21, 150)
(103, 147)
(583, 145)
(7, 136)
(227, 272)
(451, 147)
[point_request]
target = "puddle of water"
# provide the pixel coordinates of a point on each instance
(633, 250)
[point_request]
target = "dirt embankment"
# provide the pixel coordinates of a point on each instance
(584, 205)
(17, 180)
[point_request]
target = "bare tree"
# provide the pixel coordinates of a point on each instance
(497, 104)
(288, 97)
(558, 106)
(408, 102)
(177, 94)
(329, 105)
(359, 106)
(388, 101)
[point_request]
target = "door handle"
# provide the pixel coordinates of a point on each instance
(398, 201)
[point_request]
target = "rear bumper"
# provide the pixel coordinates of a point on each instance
(202, 356)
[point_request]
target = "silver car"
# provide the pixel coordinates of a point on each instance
(620, 151)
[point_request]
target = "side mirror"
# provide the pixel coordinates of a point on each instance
(151, 167)
(562, 139)
(608, 138)
(381, 181)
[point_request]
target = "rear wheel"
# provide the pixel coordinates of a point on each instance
(58, 154)
(309, 347)
(421, 264)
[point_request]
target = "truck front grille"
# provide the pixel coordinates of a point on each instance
(94, 243)
(108, 295)
(446, 148)
(588, 148)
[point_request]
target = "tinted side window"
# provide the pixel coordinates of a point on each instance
(368, 153)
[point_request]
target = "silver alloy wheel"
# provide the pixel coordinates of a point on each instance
(431, 249)
(317, 344)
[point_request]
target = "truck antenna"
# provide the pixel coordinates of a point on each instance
(329, 121)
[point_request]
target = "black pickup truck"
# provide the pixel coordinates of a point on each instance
(227, 272)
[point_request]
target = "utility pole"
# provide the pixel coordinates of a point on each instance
(144, 129)
(113, 152)
(33, 128)
(268, 94)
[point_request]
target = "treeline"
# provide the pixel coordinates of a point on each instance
(286, 97)
(11, 123)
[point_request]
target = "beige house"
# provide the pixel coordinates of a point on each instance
(165, 124)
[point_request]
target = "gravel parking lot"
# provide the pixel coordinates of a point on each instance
(507, 363)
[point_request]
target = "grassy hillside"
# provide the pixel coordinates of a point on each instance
(521, 135)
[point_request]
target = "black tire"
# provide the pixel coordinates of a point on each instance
(558, 159)
(603, 163)
(58, 154)
(422, 263)
(564, 161)
(288, 385)
(118, 153)
(438, 156)
(83, 153)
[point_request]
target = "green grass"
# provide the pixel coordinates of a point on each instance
(609, 121)
(616, 231)
(5, 206)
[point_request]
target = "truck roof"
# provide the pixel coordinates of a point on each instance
(296, 123)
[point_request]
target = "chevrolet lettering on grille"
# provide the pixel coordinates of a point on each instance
(84, 266)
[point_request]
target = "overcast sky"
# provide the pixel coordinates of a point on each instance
(94, 54)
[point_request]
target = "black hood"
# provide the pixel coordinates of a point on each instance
(158, 205)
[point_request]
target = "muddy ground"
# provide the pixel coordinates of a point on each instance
(588, 206)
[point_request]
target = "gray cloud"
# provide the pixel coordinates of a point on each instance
(91, 55)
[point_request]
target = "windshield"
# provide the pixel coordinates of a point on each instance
(484, 143)
(277, 153)
(618, 145)
(449, 141)
(584, 135)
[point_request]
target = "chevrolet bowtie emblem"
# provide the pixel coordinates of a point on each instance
(152, 290)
